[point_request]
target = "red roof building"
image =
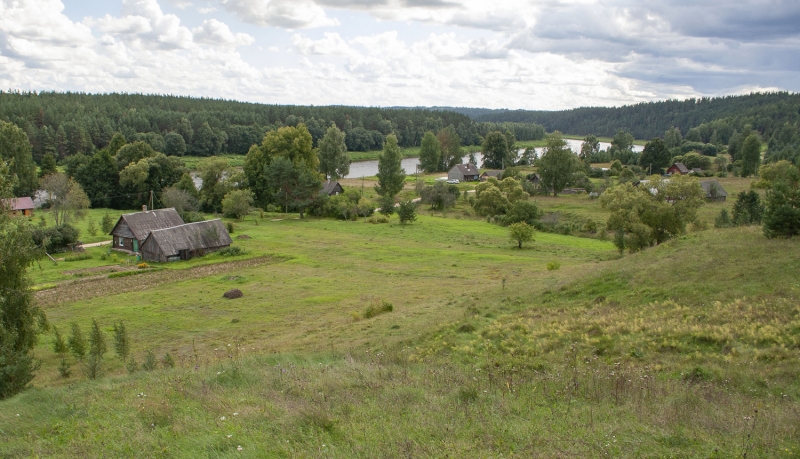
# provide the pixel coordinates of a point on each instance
(19, 206)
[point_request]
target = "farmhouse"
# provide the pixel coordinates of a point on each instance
(713, 190)
(678, 168)
(496, 174)
(185, 242)
(132, 229)
(19, 206)
(332, 188)
(463, 173)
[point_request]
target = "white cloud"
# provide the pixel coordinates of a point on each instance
(206, 10)
(217, 33)
(144, 24)
(288, 14)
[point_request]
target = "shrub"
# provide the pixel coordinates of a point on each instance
(142, 265)
(231, 251)
(553, 265)
(378, 219)
(229, 227)
(78, 257)
(406, 211)
(150, 362)
(723, 220)
(55, 237)
(378, 307)
(522, 211)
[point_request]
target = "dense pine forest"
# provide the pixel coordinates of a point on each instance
(764, 112)
(66, 124)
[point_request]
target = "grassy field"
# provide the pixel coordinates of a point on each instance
(562, 349)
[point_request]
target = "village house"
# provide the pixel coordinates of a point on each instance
(678, 168)
(132, 229)
(713, 190)
(463, 173)
(19, 206)
(185, 242)
(332, 188)
(486, 174)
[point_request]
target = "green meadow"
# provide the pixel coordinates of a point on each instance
(562, 349)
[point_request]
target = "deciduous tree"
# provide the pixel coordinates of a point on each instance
(332, 153)
(66, 197)
(391, 176)
(557, 164)
(520, 233)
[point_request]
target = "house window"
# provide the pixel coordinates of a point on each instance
(121, 241)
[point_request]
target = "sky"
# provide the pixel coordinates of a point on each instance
(516, 54)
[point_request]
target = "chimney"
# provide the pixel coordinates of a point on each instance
(144, 208)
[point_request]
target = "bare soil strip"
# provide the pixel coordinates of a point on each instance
(87, 288)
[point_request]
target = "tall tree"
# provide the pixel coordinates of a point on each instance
(213, 172)
(205, 141)
(174, 145)
(332, 152)
(430, 153)
(391, 176)
(15, 148)
(672, 138)
(66, 197)
(751, 155)
(495, 151)
(450, 144)
(557, 164)
(99, 178)
(655, 155)
(20, 320)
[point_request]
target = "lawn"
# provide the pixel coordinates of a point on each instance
(561, 349)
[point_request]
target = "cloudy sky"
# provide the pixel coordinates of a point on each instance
(534, 54)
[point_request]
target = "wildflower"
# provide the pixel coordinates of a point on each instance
(236, 414)
(222, 418)
(229, 435)
(239, 448)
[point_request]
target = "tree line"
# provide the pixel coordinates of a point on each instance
(66, 124)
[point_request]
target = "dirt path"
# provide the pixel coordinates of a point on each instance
(91, 287)
(96, 244)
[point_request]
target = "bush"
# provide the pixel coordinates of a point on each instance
(407, 211)
(229, 227)
(723, 220)
(231, 251)
(378, 307)
(142, 265)
(150, 362)
(55, 237)
(522, 211)
(378, 219)
(553, 266)
(79, 257)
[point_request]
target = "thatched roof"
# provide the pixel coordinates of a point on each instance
(23, 203)
(141, 223)
(191, 236)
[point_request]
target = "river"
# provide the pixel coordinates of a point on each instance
(370, 168)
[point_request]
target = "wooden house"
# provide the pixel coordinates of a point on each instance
(486, 174)
(713, 190)
(463, 173)
(678, 168)
(186, 241)
(132, 229)
(332, 188)
(19, 206)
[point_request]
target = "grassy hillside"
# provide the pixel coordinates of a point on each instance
(689, 349)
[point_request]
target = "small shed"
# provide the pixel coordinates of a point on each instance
(332, 188)
(186, 241)
(19, 206)
(713, 190)
(132, 229)
(463, 173)
(496, 174)
(533, 178)
(678, 168)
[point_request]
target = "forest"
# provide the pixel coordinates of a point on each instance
(67, 124)
(764, 112)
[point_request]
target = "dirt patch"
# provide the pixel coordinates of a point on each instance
(242, 236)
(87, 288)
(232, 294)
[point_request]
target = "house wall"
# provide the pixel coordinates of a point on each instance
(455, 174)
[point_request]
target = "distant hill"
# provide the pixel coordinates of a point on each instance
(765, 112)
